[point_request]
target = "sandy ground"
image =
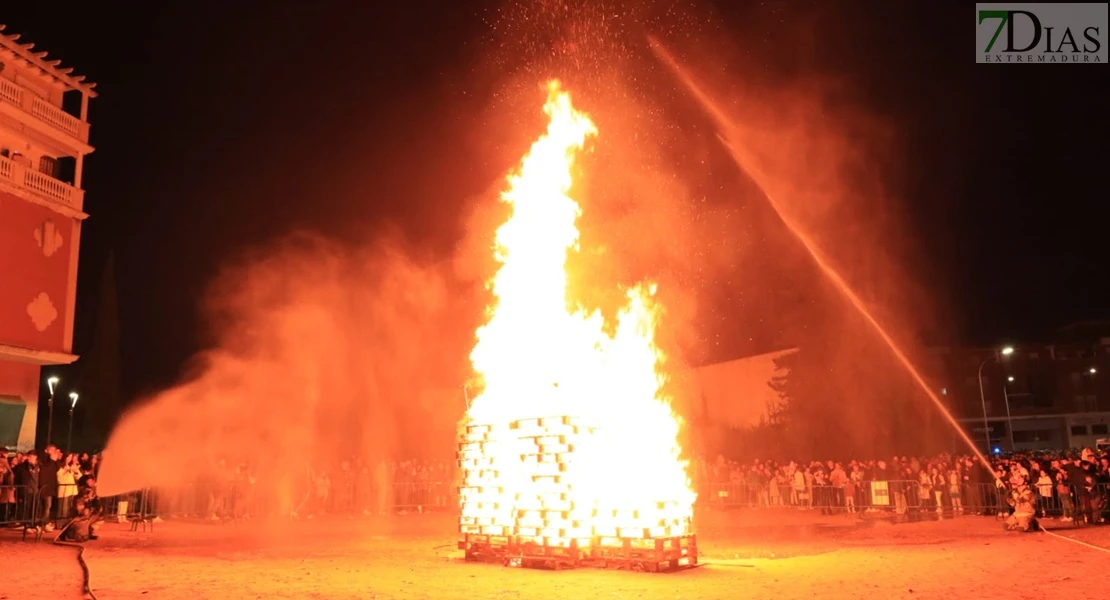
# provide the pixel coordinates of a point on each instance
(760, 554)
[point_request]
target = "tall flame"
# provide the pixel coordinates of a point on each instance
(571, 440)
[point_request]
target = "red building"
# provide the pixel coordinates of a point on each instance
(44, 138)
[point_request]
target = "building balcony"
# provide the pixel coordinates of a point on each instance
(40, 184)
(45, 116)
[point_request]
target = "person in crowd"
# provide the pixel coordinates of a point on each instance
(49, 465)
(7, 490)
(94, 467)
(1044, 492)
(68, 474)
(853, 492)
(1098, 500)
(1063, 492)
(774, 489)
(939, 484)
(955, 489)
(27, 484)
(1077, 477)
(820, 488)
(86, 494)
(798, 489)
(924, 488)
(838, 479)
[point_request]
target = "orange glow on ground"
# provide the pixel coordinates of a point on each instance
(571, 442)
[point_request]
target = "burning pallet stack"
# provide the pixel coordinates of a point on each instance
(519, 505)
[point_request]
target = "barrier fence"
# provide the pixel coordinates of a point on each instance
(903, 497)
(32, 509)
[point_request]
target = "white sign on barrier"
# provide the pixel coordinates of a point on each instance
(880, 493)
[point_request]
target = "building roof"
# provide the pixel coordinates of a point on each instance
(49, 67)
(1101, 325)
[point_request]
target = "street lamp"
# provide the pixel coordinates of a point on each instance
(1093, 370)
(1008, 350)
(72, 405)
(52, 383)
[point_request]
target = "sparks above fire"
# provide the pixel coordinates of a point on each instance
(570, 452)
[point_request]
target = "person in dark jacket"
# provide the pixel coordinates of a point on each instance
(26, 482)
(83, 527)
(1077, 476)
(48, 482)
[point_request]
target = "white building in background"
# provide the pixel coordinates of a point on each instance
(734, 394)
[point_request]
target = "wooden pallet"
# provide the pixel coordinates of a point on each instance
(657, 555)
(661, 555)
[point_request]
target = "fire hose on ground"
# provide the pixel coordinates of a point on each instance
(86, 588)
(1073, 540)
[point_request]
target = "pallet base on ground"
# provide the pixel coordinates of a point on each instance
(660, 555)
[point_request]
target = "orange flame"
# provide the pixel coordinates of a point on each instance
(572, 440)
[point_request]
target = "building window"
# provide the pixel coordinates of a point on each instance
(1085, 403)
(1079, 430)
(1032, 436)
(1099, 429)
(49, 166)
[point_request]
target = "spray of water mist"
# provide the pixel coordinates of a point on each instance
(750, 163)
(322, 355)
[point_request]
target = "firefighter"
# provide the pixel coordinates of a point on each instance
(1024, 502)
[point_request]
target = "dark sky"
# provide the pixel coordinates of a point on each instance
(217, 128)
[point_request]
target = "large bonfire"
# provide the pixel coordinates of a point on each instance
(571, 442)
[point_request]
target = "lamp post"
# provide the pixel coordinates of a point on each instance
(1008, 350)
(51, 383)
(72, 405)
(1009, 420)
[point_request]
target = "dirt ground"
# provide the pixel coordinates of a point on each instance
(760, 554)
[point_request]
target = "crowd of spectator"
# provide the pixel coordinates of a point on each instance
(46, 487)
(1073, 484)
(349, 487)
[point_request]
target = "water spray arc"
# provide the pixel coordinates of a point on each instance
(747, 163)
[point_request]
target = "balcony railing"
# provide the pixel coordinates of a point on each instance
(44, 111)
(40, 184)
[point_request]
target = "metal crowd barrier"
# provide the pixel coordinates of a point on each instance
(898, 496)
(909, 497)
(20, 506)
(35, 509)
(225, 501)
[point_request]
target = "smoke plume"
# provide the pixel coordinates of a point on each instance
(321, 353)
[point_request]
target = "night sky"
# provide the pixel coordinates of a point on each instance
(219, 128)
